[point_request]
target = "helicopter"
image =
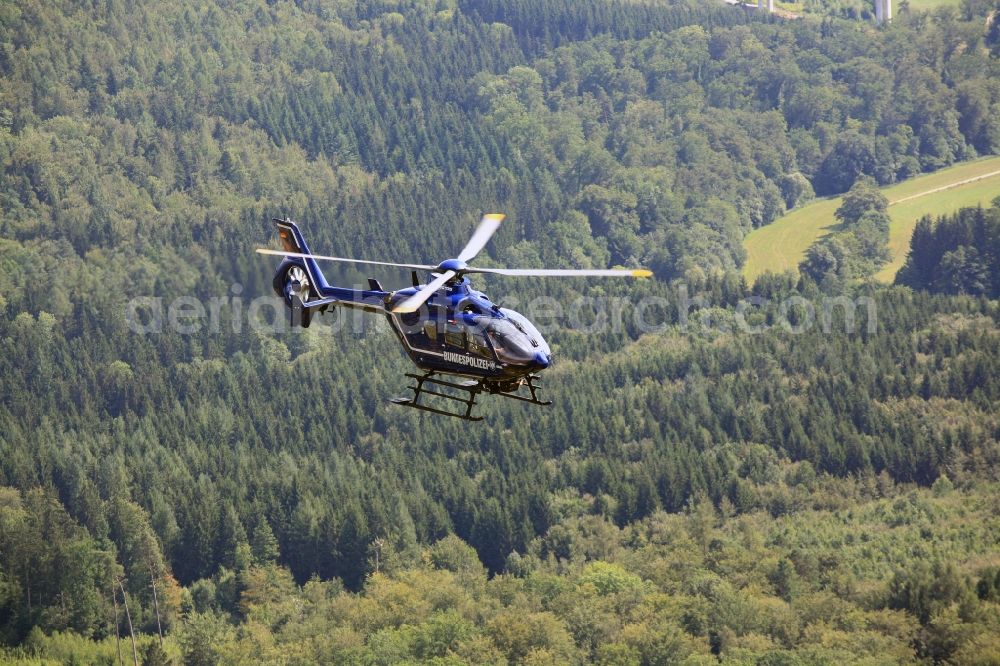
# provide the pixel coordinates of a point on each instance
(463, 343)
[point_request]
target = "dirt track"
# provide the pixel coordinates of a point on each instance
(946, 187)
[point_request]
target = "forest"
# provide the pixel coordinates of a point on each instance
(958, 254)
(696, 494)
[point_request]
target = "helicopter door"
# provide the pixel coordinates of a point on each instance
(424, 337)
(429, 338)
(431, 335)
(454, 337)
(426, 334)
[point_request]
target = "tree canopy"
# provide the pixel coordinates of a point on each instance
(700, 491)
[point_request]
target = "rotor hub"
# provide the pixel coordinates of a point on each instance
(456, 265)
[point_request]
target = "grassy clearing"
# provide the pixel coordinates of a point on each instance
(782, 245)
(925, 5)
(914, 5)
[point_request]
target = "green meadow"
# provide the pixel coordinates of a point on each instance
(782, 244)
(914, 5)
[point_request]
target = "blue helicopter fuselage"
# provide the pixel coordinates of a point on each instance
(463, 332)
(459, 331)
(445, 326)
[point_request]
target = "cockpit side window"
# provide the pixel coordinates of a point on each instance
(478, 344)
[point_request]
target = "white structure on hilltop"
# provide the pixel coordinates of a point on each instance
(883, 11)
(769, 5)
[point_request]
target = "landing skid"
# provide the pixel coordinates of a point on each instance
(471, 388)
(531, 381)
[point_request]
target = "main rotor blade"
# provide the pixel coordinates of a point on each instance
(413, 303)
(487, 227)
(564, 272)
(281, 253)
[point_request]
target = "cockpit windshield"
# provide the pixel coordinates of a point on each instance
(515, 339)
(521, 323)
(510, 344)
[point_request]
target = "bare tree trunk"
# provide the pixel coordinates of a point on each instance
(118, 640)
(131, 631)
(156, 605)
